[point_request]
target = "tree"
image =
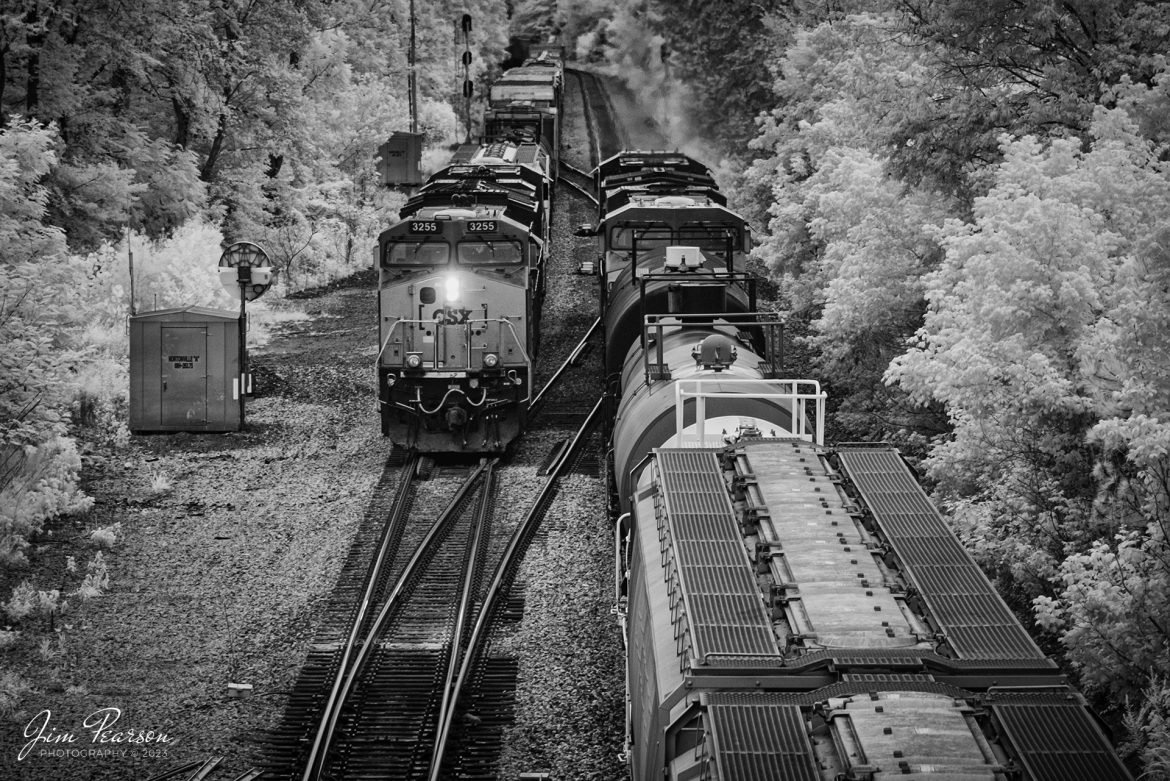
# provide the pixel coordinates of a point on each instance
(39, 465)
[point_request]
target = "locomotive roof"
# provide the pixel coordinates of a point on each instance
(503, 152)
(675, 214)
(479, 206)
(631, 161)
(501, 174)
(664, 198)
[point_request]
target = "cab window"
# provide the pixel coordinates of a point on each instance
(483, 252)
(654, 237)
(640, 237)
(418, 253)
(714, 241)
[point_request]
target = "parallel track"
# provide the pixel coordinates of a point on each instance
(607, 136)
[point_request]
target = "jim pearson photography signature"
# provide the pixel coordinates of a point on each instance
(100, 734)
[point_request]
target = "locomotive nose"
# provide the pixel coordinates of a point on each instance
(456, 417)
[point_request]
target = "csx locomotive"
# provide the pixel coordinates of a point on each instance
(460, 278)
(790, 611)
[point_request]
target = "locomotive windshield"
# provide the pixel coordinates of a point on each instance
(714, 240)
(640, 237)
(418, 253)
(485, 252)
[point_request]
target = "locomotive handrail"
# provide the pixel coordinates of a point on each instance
(797, 400)
(467, 325)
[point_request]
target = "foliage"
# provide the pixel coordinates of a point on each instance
(38, 464)
(1149, 724)
(13, 688)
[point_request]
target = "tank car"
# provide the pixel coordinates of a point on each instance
(683, 339)
(458, 301)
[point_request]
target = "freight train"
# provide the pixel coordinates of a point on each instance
(790, 610)
(461, 277)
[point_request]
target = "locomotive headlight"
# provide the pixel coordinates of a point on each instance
(452, 288)
(413, 360)
(491, 360)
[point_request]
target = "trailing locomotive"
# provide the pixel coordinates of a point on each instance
(460, 279)
(790, 611)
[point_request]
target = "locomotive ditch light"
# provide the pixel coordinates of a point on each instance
(414, 360)
(452, 288)
(491, 360)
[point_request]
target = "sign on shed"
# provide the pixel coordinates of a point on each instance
(185, 370)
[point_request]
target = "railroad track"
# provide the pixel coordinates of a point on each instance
(401, 717)
(412, 492)
(606, 136)
(579, 181)
(469, 736)
(395, 680)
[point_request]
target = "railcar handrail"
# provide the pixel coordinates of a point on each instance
(655, 325)
(796, 399)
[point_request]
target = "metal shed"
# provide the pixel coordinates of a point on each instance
(185, 370)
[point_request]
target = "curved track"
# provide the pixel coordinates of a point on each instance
(606, 134)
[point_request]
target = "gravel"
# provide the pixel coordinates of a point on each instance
(229, 543)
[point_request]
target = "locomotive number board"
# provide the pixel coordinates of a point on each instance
(424, 226)
(481, 226)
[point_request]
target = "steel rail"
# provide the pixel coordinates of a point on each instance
(501, 578)
(578, 188)
(578, 171)
(534, 406)
(347, 676)
(590, 120)
(471, 572)
(332, 705)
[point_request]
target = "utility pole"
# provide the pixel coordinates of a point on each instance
(467, 85)
(130, 257)
(413, 76)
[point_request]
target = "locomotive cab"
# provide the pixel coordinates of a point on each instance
(456, 328)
